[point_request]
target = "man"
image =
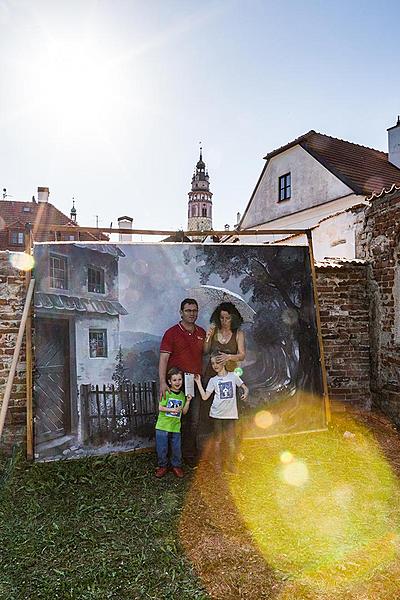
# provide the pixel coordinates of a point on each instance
(182, 347)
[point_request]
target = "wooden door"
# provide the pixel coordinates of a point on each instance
(52, 392)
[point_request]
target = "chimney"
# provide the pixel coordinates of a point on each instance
(125, 223)
(43, 194)
(394, 143)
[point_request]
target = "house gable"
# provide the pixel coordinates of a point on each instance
(311, 185)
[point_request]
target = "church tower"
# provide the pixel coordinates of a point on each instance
(200, 199)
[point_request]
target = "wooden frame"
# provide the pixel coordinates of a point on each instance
(96, 230)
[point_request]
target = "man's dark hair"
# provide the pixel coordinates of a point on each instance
(230, 308)
(188, 301)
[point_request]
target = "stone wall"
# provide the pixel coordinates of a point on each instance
(380, 245)
(12, 297)
(344, 310)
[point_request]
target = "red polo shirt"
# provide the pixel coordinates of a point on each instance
(184, 347)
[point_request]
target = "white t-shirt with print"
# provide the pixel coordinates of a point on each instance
(224, 405)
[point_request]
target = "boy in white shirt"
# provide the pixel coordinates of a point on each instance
(223, 409)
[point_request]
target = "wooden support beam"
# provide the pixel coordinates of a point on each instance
(17, 349)
(327, 405)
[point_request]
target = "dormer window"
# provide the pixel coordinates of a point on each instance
(285, 187)
(26, 209)
(17, 238)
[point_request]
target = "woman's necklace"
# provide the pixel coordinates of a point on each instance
(224, 338)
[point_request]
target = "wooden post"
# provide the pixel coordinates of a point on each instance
(319, 332)
(29, 353)
(17, 349)
(85, 399)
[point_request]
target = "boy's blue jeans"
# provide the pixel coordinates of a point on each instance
(163, 438)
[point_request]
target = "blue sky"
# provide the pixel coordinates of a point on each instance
(107, 101)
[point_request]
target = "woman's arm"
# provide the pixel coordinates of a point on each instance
(241, 351)
(208, 339)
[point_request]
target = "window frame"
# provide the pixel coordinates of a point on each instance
(101, 271)
(60, 257)
(19, 235)
(96, 331)
(285, 187)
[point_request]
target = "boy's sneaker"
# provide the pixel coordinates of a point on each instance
(160, 472)
(178, 472)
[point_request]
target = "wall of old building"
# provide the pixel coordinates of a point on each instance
(344, 310)
(379, 243)
(12, 297)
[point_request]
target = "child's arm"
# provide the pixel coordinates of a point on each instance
(173, 411)
(187, 404)
(245, 391)
(205, 395)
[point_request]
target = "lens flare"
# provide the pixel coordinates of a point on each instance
(286, 457)
(295, 473)
(22, 261)
(264, 419)
(238, 371)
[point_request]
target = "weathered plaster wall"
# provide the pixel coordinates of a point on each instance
(344, 310)
(380, 244)
(12, 296)
(311, 185)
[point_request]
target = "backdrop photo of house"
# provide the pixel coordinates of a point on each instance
(100, 313)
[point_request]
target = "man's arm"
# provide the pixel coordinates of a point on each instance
(162, 373)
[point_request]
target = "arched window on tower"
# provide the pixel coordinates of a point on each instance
(204, 211)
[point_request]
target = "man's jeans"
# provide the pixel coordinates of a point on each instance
(162, 439)
(190, 430)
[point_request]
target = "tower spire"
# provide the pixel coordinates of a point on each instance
(200, 199)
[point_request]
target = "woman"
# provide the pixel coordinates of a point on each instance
(225, 336)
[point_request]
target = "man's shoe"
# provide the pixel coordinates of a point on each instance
(160, 472)
(178, 472)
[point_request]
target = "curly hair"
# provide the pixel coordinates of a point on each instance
(230, 308)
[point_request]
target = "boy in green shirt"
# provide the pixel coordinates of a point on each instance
(168, 427)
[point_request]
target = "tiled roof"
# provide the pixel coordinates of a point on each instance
(62, 303)
(365, 170)
(44, 214)
(338, 263)
(393, 188)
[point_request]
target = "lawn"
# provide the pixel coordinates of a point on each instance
(312, 516)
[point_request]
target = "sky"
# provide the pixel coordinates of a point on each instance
(106, 101)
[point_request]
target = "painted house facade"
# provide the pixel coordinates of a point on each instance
(77, 330)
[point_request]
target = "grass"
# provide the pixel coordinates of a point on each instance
(310, 517)
(91, 529)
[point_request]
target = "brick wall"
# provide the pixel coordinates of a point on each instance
(12, 297)
(344, 310)
(380, 245)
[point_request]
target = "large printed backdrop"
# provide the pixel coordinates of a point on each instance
(100, 313)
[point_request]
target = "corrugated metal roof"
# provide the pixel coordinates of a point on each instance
(68, 304)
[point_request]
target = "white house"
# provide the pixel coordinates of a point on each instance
(320, 182)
